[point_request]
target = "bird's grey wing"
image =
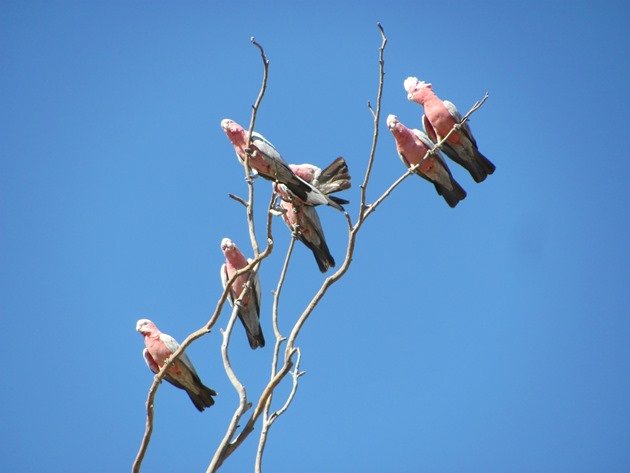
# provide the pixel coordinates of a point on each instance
(450, 106)
(224, 281)
(265, 146)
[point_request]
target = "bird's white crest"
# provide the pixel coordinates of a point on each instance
(226, 243)
(392, 120)
(413, 83)
(225, 123)
(141, 323)
(410, 83)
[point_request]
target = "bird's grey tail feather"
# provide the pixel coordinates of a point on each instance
(452, 197)
(322, 255)
(202, 399)
(338, 200)
(335, 177)
(484, 163)
(255, 341)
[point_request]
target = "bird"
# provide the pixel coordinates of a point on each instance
(412, 146)
(249, 305)
(439, 118)
(181, 373)
(267, 162)
(333, 178)
(303, 219)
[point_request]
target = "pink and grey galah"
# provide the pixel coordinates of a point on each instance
(303, 219)
(439, 118)
(266, 161)
(333, 178)
(249, 305)
(412, 147)
(182, 373)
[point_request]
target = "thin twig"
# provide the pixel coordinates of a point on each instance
(221, 455)
(238, 199)
(263, 87)
(376, 115)
(296, 373)
(238, 386)
(252, 122)
(262, 441)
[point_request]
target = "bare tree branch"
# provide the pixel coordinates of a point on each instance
(252, 122)
(376, 115)
(243, 405)
(263, 87)
(296, 373)
(276, 351)
(238, 199)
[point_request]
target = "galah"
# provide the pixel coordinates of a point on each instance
(412, 147)
(249, 305)
(439, 118)
(267, 162)
(181, 373)
(334, 178)
(304, 220)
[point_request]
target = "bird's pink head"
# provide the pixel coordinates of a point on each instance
(146, 327)
(306, 172)
(228, 246)
(417, 90)
(235, 132)
(392, 122)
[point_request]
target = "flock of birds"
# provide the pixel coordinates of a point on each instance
(300, 188)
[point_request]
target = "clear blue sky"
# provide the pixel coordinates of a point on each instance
(489, 338)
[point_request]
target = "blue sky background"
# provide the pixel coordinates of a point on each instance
(491, 337)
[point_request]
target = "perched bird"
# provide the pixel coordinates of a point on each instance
(267, 162)
(303, 218)
(159, 347)
(334, 178)
(249, 306)
(438, 119)
(412, 147)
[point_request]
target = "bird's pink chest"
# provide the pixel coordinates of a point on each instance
(256, 161)
(441, 120)
(160, 353)
(290, 215)
(239, 284)
(412, 149)
(157, 350)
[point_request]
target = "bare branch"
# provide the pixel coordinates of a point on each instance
(371, 110)
(262, 441)
(238, 199)
(263, 87)
(252, 122)
(376, 115)
(222, 454)
(296, 373)
(243, 405)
